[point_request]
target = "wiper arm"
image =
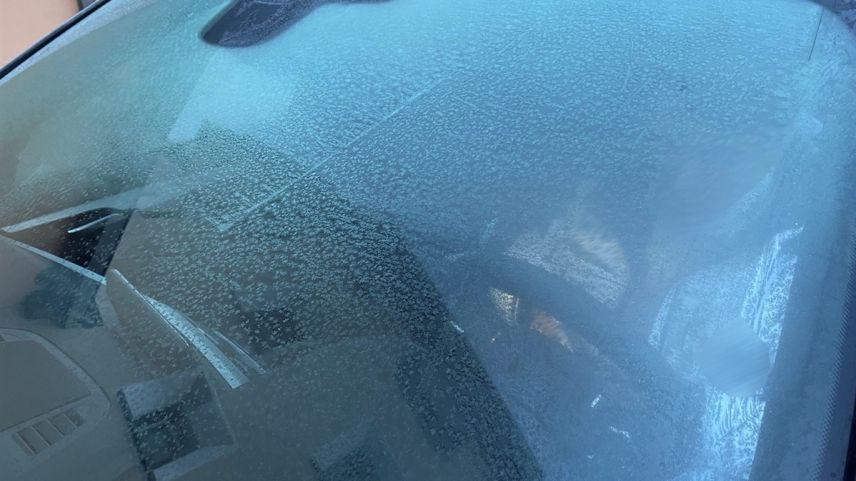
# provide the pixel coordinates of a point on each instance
(99, 223)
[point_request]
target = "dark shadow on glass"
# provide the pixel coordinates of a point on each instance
(63, 297)
(88, 239)
(249, 22)
(174, 423)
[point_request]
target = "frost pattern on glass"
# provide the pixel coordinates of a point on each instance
(457, 239)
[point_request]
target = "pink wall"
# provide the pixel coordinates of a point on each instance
(23, 22)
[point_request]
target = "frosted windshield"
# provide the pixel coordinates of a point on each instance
(417, 240)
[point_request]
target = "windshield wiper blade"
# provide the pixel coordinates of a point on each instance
(137, 307)
(99, 223)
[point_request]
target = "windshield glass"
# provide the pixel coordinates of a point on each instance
(429, 240)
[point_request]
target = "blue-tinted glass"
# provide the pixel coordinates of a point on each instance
(429, 240)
